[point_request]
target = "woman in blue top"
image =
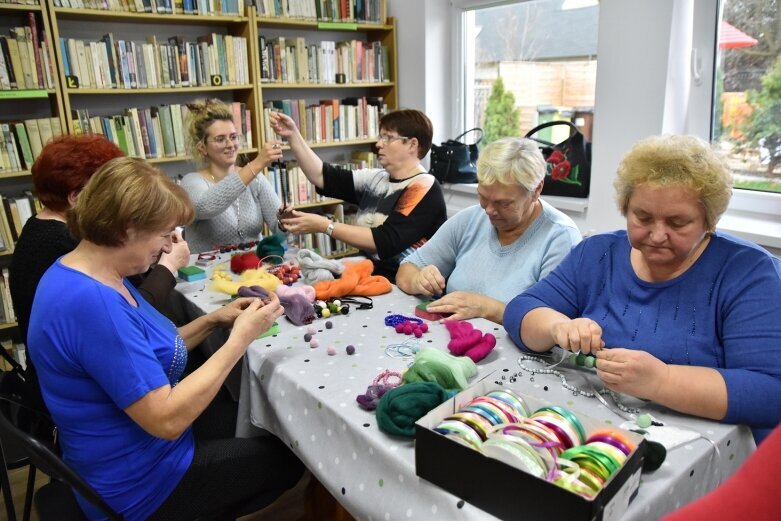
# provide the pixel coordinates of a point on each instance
(485, 255)
(676, 312)
(110, 365)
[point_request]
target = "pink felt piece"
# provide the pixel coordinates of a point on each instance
(465, 340)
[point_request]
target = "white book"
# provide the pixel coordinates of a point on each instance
(85, 79)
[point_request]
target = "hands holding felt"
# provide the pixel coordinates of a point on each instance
(429, 282)
(460, 305)
(249, 317)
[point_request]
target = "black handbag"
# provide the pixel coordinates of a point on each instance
(569, 162)
(454, 161)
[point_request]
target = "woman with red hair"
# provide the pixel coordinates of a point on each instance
(59, 173)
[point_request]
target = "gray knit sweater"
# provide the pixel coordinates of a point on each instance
(229, 212)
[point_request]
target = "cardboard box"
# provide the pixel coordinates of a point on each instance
(509, 493)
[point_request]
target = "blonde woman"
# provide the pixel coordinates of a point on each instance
(488, 253)
(231, 202)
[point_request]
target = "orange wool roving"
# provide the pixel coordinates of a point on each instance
(357, 279)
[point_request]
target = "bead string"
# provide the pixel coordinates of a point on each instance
(570, 387)
(394, 320)
(403, 350)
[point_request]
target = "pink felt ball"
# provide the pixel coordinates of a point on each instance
(418, 333)
(331, 350)
(424, 327)
(311, 330)
(407, 329)
(399, 328)
(314, 343)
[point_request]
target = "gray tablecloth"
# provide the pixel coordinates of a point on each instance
(308, 399)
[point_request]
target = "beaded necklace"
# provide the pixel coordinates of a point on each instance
(588, 394)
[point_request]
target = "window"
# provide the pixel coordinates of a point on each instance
(746, 122)
(526, 63)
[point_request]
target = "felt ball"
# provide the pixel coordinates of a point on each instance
(320, 304)
(417, 332)
(307, 337)
(331, 350)
(644, 421)
(311, 330)
(314, 343)
(350, 349)
(407, 329)
(424, 327)
(332, 307)
(326, 313)
(590, 361)
(337, 302)
(344, 309)
(399, 328)
(580, 359)
(329, 325)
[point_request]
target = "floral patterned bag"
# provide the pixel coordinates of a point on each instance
(569, 162)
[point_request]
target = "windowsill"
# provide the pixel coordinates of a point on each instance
(761, 229)
(569, 204)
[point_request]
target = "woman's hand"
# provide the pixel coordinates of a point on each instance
(271, 151)
(227, 314)
(578, 335)
(460, 305)
(256, 318)
(282, 124)
(304, 222)
(429, 282)
(179, 257)
(632, 372)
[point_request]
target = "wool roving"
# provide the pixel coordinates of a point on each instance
(306, 291)
(357, 279)
(259, 277)
(315, 268)
(433, 365)
(401, 407)
(242, 262)
(373, 394)
(465, 340)
(271, 246)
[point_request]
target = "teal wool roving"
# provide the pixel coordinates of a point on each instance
(401, 407)
(433, 365)
(272, 245)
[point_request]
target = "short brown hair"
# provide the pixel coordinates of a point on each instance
(200, 116)
(65, 165)
(685, 161)
(127, 193)
(410, 123)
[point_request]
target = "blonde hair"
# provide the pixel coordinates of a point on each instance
(127, 192)
(511, 160)
(685, 161)
(200, 116)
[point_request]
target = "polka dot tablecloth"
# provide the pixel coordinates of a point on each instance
(308, 398)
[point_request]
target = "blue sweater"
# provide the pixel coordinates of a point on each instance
(467, 252)
(723, 312)
(96, 355)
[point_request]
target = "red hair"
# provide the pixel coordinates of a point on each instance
(65, 165)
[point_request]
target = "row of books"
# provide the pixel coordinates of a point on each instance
(24, 57)
(194, 7)
(22, 141)
(8, 315)
(13, 215)
(330, 120)
(321, 243)
(214, 59)
(361, 11)
(291, 185)
(20, 2)
(326, 62)
(154, 132)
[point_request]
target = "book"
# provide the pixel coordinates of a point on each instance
(176, 120)
(35, 41)
(6, 52)
(24, 144)
(34, 136)
(45, 130)
(16, 61)
(119, 132)
(167, 127)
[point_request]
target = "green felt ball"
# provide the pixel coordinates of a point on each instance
(580, 359)
(644, 421)
(590, 361)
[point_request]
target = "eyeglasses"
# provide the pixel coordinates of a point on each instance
(385, 139)
(223, 140)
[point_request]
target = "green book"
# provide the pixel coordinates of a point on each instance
(167, 127)
(119, 130)
(24, 144)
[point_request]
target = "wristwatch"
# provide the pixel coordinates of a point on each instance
(330, 229)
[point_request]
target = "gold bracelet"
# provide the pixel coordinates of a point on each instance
(254, 174)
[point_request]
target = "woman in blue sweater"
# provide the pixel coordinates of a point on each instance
(675, 312)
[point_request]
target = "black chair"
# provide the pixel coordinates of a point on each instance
(12, 455)
(34, 433)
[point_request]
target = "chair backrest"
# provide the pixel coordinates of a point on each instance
(28, 427)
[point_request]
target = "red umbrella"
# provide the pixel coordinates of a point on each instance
(730, 37)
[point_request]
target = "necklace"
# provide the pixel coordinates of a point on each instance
(236, 208)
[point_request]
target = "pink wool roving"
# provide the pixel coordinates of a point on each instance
(308, 292)
(465, 340)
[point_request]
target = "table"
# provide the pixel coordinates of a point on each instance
(307, 398)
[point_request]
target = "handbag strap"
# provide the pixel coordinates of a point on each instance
(573, 130)
(476, 129)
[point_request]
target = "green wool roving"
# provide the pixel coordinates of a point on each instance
(433, 365)
(271, 245)
(401, 407)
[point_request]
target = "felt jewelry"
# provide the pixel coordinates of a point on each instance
(384, 378)
(395, 320)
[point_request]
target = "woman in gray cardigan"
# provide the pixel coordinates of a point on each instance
(231, 203)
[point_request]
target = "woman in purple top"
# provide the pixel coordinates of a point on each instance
(674, 311)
